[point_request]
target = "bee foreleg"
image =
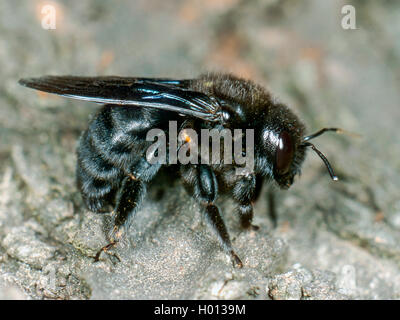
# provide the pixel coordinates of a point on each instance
(272, 208)
(245, 192)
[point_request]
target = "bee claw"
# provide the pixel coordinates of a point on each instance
(106, 249)
(249, 226)
(254, 227)
(237, 263)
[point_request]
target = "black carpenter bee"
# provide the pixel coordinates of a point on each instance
(112, 168)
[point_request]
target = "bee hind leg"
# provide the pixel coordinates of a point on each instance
(129, 199)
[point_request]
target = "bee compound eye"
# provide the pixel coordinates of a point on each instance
(284, 153)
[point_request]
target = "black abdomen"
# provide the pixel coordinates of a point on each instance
(109, 150)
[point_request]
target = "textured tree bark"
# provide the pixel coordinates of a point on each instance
(332, 240)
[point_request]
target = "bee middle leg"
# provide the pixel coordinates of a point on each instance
(216, 222)
(202, 183)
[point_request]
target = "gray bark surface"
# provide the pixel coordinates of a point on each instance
(334, 240)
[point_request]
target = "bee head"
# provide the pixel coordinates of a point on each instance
(285, 145)
(286, 166)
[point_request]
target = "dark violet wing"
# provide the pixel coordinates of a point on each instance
(164, 94)
(182, 83)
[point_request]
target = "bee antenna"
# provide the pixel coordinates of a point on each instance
(336, 130)
(322, 131)
(321, 155)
